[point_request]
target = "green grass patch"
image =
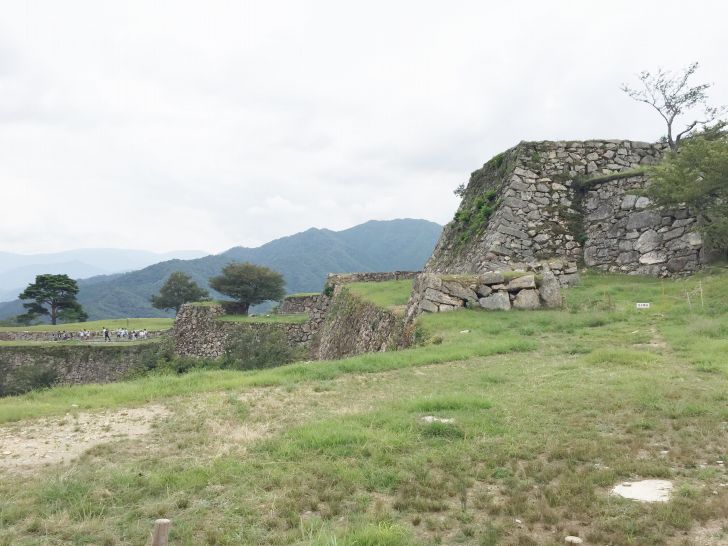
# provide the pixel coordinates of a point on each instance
(151, 324)
(549, 410)
(386, 294)
(296, 318)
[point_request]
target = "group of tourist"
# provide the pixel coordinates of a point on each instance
(121, 334)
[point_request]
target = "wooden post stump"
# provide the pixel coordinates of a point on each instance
(160, 534)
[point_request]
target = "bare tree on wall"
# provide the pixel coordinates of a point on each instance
(672, 96)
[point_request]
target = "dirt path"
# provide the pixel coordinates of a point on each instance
(26, 445)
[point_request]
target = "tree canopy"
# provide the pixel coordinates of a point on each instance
(697, 176)
(249, 284)
(672, 96)
(53, 295)
(179, 288)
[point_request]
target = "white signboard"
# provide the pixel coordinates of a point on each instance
(643, 306)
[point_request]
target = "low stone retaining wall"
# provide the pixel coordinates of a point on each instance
(339, 325)
(77, 364)
(355, 326)
(305, 303)
(199, 332)
(493, 291)
(336, 279)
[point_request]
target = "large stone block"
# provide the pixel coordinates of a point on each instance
(441, 298)
(498, 301)
(550, 291)
(484, 290)
(648, 241)
(527, 299)
(628, 202)
(523, 282)
(459, 291)
(642, 220)
(654, 257)
(492, 277)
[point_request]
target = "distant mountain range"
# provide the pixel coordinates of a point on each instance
(304, 259)
(17, 270)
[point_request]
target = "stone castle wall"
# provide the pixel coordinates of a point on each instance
(336, 279)
(77, 364)
(493, 291)
(544, 200)
(355, 326)
(339, 325)
(624, 235)
(304, 303)
(198, 332)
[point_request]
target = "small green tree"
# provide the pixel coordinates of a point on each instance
(697, 176)
(74, 313)
(51, 295)
(249, 284)
(672, 96)
(178, 289)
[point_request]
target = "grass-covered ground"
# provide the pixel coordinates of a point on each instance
(98, 342)
(151, 324)
(389, 294)
(550, 409)
(289, 318)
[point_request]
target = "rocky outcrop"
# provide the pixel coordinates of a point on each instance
(575, 201)
(535, 288)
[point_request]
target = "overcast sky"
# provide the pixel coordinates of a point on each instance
(203, 125)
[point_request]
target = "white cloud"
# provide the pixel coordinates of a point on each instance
(203, 125)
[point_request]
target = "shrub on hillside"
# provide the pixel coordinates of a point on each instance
(255, 349)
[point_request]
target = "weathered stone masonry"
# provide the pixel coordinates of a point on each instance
(339, 324)
(355, 326)
(198, 331)
(544, 200)
(78, 364)
(304, 303)
(493, 291)
(624, 235)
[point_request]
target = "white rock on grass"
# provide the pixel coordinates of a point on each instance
(433, 419)
(573, 540)
(645, 490)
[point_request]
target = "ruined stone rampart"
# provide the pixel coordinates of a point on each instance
(336, 279)
(338, 325)
(199, 332)
(354, 326)
(493, 291)
(575, 201)
(77, 364)
(303, 303)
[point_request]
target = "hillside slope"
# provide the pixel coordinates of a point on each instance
(17, 270)
(304, 259)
